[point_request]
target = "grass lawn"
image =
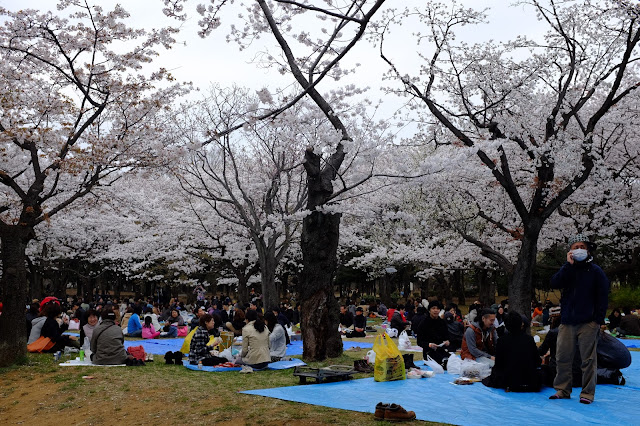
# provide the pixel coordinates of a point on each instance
(42, 393)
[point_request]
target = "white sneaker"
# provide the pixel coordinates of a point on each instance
(246, 369)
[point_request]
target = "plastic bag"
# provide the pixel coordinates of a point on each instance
(432, 364)
(371, 357)
(474, 370)
(389, 363)
(392, 332)
(227, 353)
(403, 341)
(454, 364)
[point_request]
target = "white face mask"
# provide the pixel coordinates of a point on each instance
(579, 254)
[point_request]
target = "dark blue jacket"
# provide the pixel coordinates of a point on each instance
(585, 292)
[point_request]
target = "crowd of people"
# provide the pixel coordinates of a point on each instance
(104, 322)
(575, 352)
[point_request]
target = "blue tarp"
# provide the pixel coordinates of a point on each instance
(280, 365)
(162, 346)
(438, 400)
(631, 343)
(157, 346)
(295, 348)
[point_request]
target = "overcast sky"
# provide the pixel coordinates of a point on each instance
(213, 60)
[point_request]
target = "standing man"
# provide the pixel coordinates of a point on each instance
(585, 291)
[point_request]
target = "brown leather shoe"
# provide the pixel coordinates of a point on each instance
(380, 411)
(395, 413)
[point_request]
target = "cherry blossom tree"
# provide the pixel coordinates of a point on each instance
(75, 113)
(531, 111)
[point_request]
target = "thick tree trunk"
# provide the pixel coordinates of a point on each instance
(458, 286)
(319, 243)
(13, 331)
(484, 288)
(520, 283)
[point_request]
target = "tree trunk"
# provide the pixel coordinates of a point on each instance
(13, 331)
(458, 286)
(520, 283)
(484, 288)
(319, 244)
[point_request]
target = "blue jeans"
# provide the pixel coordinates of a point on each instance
(137, 333)
(173, 332)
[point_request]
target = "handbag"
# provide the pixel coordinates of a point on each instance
(43, 344)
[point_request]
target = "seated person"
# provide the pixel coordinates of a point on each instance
(382, 309)
(195, 322)
(398, 320)
(480, 338)
(199, 351)
(134, 326)
(517, 367)
(238, 322)
(433, 335)
(346, 319)
(124, 323)
(629, 324)
(149, 312)
(455, 330)
(107, 342)
(171, 327)
(92, 322)
(421, 314)
(148, 331)
(614, 319)
(277, 337)
(255, 342)
(359, 324)
(53, 330)
(537, 313)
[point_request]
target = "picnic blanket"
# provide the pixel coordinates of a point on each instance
(280, 365)
(295, 347)
(631, 344)
(157, 346)
(86, 363)
(432, 400)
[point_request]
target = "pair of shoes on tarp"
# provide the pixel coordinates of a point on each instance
(173, 357)
(362, 366)
(246, 369)
(392, 413)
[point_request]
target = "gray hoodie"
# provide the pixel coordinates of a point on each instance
(36, 329)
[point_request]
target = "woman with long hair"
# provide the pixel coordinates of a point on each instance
(255, 343)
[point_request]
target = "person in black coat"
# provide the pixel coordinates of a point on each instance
(433, 335)
(517, 367)
(421, 314)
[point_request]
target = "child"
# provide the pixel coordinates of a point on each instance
(148, 332)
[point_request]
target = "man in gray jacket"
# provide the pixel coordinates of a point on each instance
(107, 342)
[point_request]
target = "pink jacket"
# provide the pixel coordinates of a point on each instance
(149, 333)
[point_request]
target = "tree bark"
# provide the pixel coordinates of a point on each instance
(320, 319)
(13, 331)
(520, 285)
(458, 286)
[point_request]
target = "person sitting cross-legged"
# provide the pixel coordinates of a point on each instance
(359, 324)
(433, 335)
(199, 349)
(480, 338)
(517, 367)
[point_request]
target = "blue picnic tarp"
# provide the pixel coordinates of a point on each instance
(437, 399)
(280, 365)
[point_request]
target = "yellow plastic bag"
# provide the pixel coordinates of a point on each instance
(389, 362)
(186, 345)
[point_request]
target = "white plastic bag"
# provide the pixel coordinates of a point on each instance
(371, 357)
(403, 341)
(454, 364)
(392, 332)
(432, 364)
(474, 370)
(227, 354)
